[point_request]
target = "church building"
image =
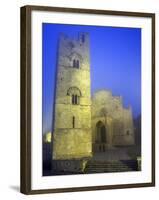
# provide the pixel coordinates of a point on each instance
(83, 125)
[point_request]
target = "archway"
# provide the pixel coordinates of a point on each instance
(102, 132)
(101, 137)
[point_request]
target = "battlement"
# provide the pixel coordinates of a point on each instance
(73, 53)
(82, 40)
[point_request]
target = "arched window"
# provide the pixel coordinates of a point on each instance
(76, 64)
(73, 121)
(75, 99)
(75, 94)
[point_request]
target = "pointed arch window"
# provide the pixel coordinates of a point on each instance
(75, 99)
(76, 63)
(75, 94)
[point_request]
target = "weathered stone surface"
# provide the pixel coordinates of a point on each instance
(117, 120)
(71, 166)
(72, 122)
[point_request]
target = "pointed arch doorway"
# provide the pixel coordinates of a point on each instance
(101, 137)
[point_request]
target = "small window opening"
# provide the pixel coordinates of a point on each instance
(73, 122)
(76, 64)
(75, 100)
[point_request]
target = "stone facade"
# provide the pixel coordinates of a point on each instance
(112, 125)
(82, 125)
(72, 137)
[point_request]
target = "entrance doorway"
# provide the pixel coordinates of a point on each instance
(101, 137)
(102, 132)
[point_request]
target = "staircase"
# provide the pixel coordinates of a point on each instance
(110, 166)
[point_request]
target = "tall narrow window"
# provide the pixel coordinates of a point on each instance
(73, 122)
(73, 99)
(76, 64)
(75, 95)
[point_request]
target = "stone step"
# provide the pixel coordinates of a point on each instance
(110, 166)
(122, 167)
(107, 170)
(98, 166)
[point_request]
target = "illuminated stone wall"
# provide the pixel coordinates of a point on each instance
(118, 121)
(72, 122)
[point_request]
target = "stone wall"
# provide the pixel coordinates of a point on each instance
(117, 120)
(72, 123)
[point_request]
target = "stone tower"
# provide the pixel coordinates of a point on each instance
(72, 140)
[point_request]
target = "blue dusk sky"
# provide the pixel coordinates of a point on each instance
(115, 63)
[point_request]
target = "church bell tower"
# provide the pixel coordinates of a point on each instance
(72, 140)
